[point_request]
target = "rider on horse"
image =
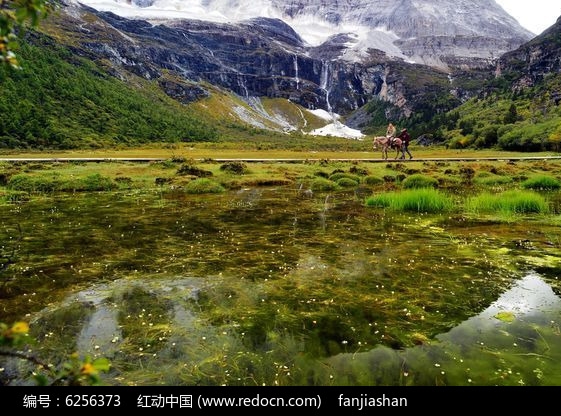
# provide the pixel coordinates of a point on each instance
(390, 133)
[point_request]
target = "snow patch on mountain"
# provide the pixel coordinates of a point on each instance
(397, 28)
(439, 33)
(314, 30)
(337, 129)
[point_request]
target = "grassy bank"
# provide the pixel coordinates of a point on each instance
(195, 169)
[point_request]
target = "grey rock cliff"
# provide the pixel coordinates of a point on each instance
(266, 57)
(434, 32)
(535, 60)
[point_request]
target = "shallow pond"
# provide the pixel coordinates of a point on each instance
(269, 286)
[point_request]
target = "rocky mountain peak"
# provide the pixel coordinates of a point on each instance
(439, 33)
(369, 59)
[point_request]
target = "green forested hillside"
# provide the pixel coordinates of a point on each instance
(524, 120)
(520, 109)
(529, 120)
(61, 101)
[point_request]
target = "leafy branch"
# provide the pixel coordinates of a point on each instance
(14, 16)
(72, 372)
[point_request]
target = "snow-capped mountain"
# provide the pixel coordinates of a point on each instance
(352, 61)
(433, 32)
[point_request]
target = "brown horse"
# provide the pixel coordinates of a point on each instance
(385, 144)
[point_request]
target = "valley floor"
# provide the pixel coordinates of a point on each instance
(225, 152)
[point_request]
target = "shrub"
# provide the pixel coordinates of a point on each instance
(487, 137)
(124, 181)
(177, 159)
(355, 170)
(321, 174)
(467, 173)
(373, 180)
(162, 181)
(96, 182)
(28, 183)
(528, 136)
(390, 178)
(322, 184)
(237, 168)
(4, 179)
(460, 142)
(193, 171)
(204, 186)
(448, 181)
(490, 179)
(419, 181)
(169, 164)
(347, 183)
(341, 175)
(91, 183)
(268, 182)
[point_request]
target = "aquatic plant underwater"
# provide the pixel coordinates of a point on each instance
(286, 285)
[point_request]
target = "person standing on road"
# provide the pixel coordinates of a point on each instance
(405, 138)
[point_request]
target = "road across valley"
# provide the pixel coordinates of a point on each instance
(277, 160)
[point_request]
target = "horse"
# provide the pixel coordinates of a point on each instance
(385, 144)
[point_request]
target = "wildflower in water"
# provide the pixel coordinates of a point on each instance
(20, 328)
(88, 369)
(13, 334)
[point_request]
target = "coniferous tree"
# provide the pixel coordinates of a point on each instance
(511, 116)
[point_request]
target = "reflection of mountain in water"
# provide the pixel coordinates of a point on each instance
(528, 300)
(515, 341)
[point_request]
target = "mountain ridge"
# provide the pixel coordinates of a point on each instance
(240, 58)
(429, 32)
(268, 78)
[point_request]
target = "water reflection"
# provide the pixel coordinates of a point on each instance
(264, 286)
(515, 341)
(528, 298)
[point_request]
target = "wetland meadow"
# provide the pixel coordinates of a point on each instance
(193, 272)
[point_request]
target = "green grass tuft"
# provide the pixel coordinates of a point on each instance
(336, 177)
(490, 179)
(322, 184)
(419, 181)
(420, 200)
(347, 183)
(541, 182)
(509, 202)
(204, 186)
(373, 180)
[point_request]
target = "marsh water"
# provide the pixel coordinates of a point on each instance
(271, 286)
